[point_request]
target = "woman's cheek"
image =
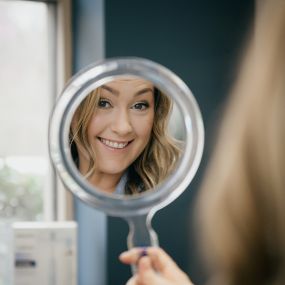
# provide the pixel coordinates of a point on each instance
(144, 126)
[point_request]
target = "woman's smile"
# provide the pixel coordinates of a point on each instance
(114, 144)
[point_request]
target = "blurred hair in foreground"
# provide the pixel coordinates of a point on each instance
(241, 207)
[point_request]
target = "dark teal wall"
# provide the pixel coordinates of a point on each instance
(200, 41)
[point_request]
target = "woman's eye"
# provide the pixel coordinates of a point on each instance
(104, 103)
(140, 106)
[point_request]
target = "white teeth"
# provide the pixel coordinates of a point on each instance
(113, 144)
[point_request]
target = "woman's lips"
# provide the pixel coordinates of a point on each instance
(114, 144)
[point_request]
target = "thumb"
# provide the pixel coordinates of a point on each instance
(146, 274)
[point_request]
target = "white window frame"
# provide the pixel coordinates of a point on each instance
(62, 199)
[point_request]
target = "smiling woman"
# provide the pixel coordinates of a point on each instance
(119, 136)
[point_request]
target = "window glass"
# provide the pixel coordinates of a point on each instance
(25, 103)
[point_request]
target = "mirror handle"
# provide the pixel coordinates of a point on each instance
(141, 233)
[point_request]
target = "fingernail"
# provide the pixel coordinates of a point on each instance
(144, 251)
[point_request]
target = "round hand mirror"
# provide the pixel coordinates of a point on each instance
(126, 136)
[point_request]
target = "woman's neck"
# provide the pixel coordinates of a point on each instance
(105, 182)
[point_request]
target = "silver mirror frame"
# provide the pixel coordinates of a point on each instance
(78, 88)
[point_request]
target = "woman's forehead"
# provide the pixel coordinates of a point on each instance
(129, 81)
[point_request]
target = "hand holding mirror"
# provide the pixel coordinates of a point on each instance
(112, 146)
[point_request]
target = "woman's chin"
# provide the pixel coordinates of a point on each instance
(113, 170)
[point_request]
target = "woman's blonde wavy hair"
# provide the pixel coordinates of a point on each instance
(156, 161)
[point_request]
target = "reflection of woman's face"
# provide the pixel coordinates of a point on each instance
(121, 126)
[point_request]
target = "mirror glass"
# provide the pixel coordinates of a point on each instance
(126, 136)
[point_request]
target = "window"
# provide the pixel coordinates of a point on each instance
(25, 103)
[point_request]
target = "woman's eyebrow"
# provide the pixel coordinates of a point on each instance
(116, 92)
(113, 91)
(144, 90)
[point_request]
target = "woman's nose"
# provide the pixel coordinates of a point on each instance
(121, 123)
